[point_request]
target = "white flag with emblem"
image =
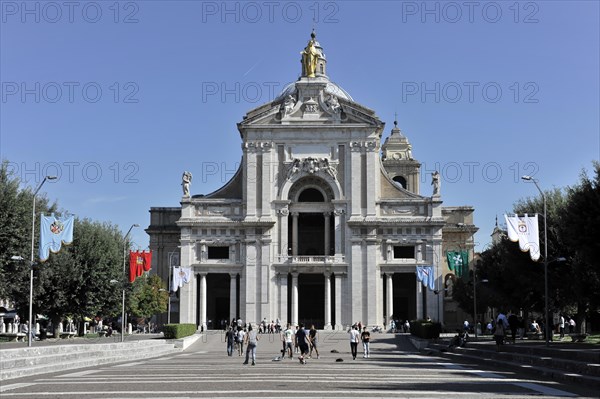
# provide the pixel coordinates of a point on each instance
(524, 230)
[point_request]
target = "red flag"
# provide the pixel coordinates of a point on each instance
(139, 262)
(147, 260)
(136, 265)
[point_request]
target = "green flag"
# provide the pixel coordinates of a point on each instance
(458, 262)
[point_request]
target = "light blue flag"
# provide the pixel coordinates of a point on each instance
(425, 276)
(53, 233)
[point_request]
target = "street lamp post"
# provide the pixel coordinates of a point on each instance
(169, 286)
(124, 276)
(546, 318)
(29, 341)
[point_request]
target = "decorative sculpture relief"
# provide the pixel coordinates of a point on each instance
(311, 165)
(288, 105)
(339, 212)
(311, 106)
(284, 211)
(333, 104)
(186, 181)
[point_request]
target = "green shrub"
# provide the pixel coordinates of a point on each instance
(425, 329)
(173, 331)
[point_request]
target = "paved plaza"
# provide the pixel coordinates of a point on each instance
(395, 369)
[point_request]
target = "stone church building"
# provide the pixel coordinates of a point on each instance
(321, 223)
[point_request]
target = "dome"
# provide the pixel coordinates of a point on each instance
(331, 88)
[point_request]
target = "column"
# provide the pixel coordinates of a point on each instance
(389, 280)
(232, 296)
(294, 233)
(419, 293)
(283, 233)
(326, 217)
(327, 301)
(203, 300)
(338, 302)
(294, 298)
(283, 297)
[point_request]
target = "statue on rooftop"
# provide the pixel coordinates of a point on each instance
(310, 56)
(186, 180)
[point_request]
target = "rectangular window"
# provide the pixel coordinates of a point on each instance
(218, 252)
(404, 252)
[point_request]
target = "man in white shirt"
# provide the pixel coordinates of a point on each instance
(287, 337)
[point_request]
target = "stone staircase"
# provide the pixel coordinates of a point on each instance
(559, 362)
(22, 362)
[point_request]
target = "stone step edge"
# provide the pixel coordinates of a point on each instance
(520, 348)
(70, 347)
(97, 352)
(560, 364)
(544, 371)
(69, 364)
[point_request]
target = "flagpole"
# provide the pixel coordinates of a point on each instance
(125, 277)
(29, 339)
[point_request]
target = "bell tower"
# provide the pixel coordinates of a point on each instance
(398, 160)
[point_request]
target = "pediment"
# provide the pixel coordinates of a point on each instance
(310, 105)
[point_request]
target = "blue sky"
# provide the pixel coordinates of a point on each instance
(119, 98)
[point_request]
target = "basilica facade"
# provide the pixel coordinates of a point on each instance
(321, 224)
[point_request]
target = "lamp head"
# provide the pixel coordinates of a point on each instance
(526, 177)
(51, 177)
(17, 257)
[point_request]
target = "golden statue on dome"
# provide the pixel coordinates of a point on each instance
(310, 56)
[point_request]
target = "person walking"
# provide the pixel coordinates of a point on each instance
(365, 337)
(251, 340)
(354, 337)
(302, 342)
(230, 339)
(561, 326)
(312, 334)
(500, 331)
(287, 338)
(240, 341)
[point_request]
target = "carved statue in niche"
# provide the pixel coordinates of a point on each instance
(449, 285)
(186, 181)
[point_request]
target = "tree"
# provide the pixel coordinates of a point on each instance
(78, 280)
(580, 223)
(15, 237)
(515, 282)
(74, 282)
(149, 297)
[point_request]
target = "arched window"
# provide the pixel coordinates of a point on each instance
(401, 180)
(311, 195)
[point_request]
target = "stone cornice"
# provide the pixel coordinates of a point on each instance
(210, 222)
(423, 221)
